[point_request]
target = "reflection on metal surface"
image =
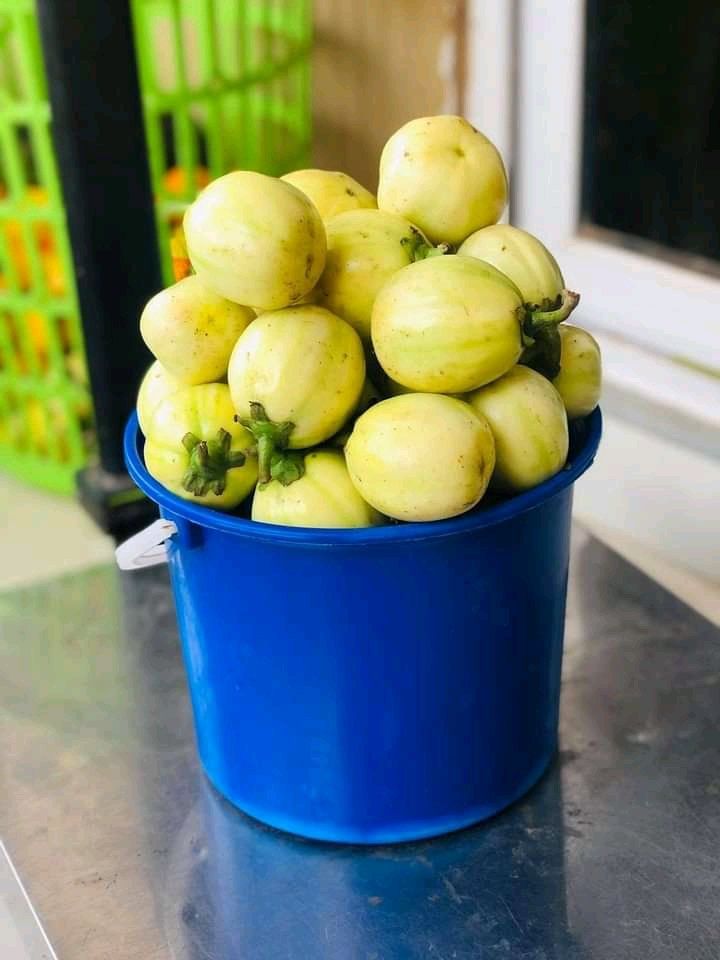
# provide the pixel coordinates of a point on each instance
(128, 854)
(252, 888)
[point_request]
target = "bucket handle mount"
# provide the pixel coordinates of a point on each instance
(146, 548)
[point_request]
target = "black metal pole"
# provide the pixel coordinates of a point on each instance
(100, 145)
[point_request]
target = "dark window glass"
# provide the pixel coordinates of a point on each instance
(651, 163)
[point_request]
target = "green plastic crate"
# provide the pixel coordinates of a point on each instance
(45, 410)
(225, 84)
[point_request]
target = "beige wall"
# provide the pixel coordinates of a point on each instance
(377, 64)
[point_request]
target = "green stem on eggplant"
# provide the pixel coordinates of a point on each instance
(543, 354)
(540, 333)
(287, 467)
(550, 318)
(275, 462)
(209, 463)
(425, 251)
(420, 249)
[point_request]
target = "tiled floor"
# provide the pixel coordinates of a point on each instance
(655, 492)
(42, 535)
(701, 594)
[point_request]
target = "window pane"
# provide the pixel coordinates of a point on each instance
(651, 163)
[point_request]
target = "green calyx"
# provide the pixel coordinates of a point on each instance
(543, 354)
(419, 248)
(209, 463)
(275, 461)
(287, 467)
(540, 333)
(553, 314)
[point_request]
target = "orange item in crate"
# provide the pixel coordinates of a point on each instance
(175, 182)
(37, 325)
(181, 265)
(47, 249)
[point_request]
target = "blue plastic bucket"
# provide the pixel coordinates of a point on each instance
(374, 685)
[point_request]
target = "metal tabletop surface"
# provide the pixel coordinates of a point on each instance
(128, 854)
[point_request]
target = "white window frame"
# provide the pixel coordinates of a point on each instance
(525, 77)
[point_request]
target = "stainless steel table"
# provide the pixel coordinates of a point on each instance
(128, 854)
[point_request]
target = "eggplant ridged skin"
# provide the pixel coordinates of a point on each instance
(528, 420)
(192, 331)
(201, 411)
(365, 248)
(579, 382)
(304, 365)
(521, 257)
(331, 191)
(255, 240)
(443, 175)
(421, 456)
(447, 325)
(323, 497)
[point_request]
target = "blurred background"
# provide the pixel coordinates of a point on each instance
(607, 113)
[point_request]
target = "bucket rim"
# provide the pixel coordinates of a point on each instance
(585, 438)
